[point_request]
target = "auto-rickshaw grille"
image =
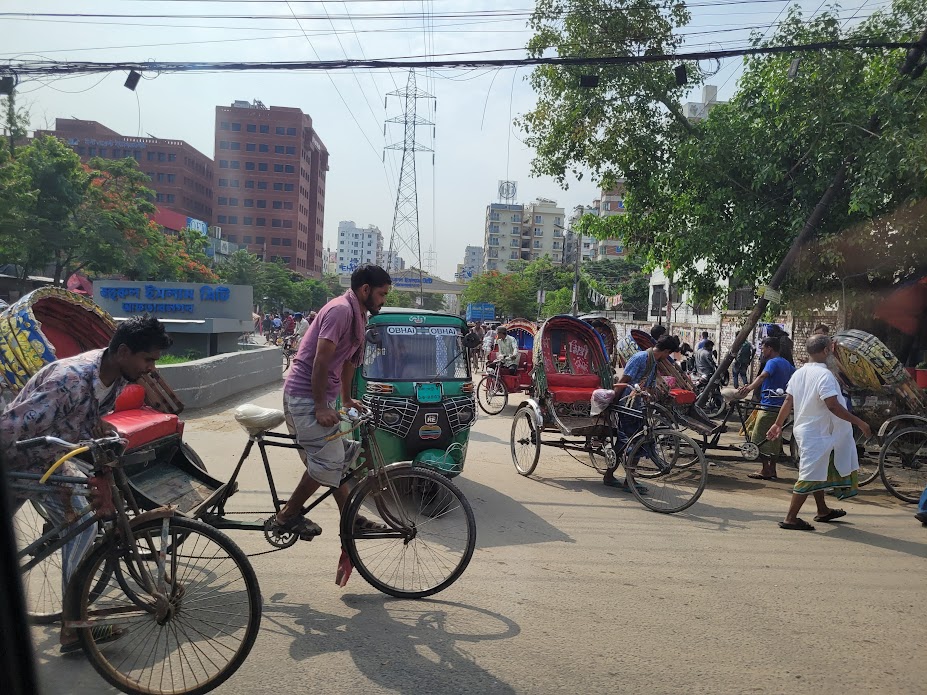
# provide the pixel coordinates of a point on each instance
(403, 407)
(457, 409)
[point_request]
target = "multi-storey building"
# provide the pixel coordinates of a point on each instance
(698, 111)
(517, 232)
(270, 192)
(181, 176)
(472, 264)
(609, 204)
(357, 246)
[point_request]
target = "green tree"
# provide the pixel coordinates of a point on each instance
(15, 121)
(307, 295)
(726, 196)
(278, 281)
(244, 268)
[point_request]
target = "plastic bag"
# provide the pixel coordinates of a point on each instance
(601, 399)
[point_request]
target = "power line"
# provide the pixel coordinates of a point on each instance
(72, 67)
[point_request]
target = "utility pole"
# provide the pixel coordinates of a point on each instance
(836, 185)
(578, 246)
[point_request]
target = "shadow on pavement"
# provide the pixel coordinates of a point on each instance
(399, 645)
(849, 532)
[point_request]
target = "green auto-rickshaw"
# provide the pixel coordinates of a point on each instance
(416, 379)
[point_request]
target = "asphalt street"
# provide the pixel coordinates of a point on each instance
(575, 587)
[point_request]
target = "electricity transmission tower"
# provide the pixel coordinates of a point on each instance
(405, 240)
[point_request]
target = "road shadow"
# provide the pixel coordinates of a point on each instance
(501, 521)
(397, 644)
(848, 531)
(483, 437)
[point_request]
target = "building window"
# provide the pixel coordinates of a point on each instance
(151, 155)
(538, 219)
(250, 147)
(223, 183)
(291, 150)
(280, 130)
(171, 178)
(516, 217)
(538, 231)
(494, 215)
(291, 131)
(249, 166)
(287, 224)
(234, 183)
(493, 241)
(262, 166)
(275, 241)
(557, 221)
(223, 125)
(251, 128)
(263, 148)
(515, 243)
(278, 205)
(658, 299)
(290, 169)
(232, 238)
(223, 144)
(248, 221)
(221, 200)
(246, 239)
(223, 163)
(516, 230)
(537, 243)
(276, 223)
(288, 187)
(265, 128)
(172, 157)
(262, 185)
(236, 126)
(262, 203)
(278, 186)
(260, 222)
(249, 183)
(278, 149)
(259, 239)
(278, 168)
(233, 219)
(221, 219)
(287, 205)
(249, 203)
(234, 164)
(162, 157)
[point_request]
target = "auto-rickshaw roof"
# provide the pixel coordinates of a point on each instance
(423, 317)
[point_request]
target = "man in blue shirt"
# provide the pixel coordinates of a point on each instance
(772, 382)
(701, 343)
(641, 369)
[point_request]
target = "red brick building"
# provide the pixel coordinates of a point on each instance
(181, 175)
(270, 192)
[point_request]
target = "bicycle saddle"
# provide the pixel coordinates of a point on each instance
(731, 394)
(255, 419)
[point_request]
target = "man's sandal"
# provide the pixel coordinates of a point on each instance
(797, 525)
(831, 515)
(299, 525)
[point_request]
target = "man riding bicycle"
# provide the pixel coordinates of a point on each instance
(640, 370)
(507, 347)
(66, 399)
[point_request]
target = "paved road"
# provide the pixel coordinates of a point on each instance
(574, 587)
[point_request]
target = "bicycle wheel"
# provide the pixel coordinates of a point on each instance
(714, 405)
(525, 441)
(655, 479)
(187, 638)
(868, 451)
(903, 464)
(286, 359)
(430, 539)
(42, 583)
(492, 395)
(602, 450)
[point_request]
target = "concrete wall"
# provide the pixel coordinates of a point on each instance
(203, 382)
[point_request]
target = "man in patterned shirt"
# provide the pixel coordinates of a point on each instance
(66, 399)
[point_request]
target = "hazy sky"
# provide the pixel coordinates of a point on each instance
(475, 143)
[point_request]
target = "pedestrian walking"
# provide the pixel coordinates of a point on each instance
(742, 363)
(823, 430)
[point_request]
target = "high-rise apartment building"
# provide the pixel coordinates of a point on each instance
(270, 189)
(181, 175)
(698, 111)
(609, 204)
(357, 246)
(472, 264)
(516, 232)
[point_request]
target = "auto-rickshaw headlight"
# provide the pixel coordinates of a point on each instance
(391, 417)
(465, 415)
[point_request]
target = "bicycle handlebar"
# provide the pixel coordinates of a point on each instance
(38, 441)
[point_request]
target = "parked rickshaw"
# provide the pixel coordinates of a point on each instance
(665, 469)
(492, 392)
(416, 378)
(609, 333)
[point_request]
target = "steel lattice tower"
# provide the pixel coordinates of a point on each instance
(405, 239)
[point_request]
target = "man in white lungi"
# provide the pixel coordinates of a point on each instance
(824, 432)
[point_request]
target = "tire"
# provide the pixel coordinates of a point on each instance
(404, 564)
(903, 464)
(42, 583)
(655, 479)
(286, 359)
(525, 441)
(868, 453)
(214, 616)
(492, 395)
(602, 450)
(714, 405)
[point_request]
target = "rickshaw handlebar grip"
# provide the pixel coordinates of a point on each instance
(32, 443)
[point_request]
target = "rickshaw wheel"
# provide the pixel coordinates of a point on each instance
(525, 441)
(903, 464)
(869, 450)
(492, 395)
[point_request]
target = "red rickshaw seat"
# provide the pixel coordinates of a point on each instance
(572, 388)
(137, 422)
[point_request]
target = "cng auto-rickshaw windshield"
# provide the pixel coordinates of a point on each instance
(407, 353)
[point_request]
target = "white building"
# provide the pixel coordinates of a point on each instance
(397, 262)
(357, 246)
(687, 319)
(698, 111)
(472, 264)
(610, 204)
(516, 232)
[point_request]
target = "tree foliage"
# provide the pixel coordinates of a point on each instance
(276, 287)
(725, 197)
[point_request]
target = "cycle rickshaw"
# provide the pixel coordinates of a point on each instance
(492, 392)
(609, 333)
(665, 469)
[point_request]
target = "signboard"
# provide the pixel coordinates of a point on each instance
(420, 330)
(411, 281)
(198, 226)
(174, 300)
(481, 311)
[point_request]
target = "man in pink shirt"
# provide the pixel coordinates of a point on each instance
(325, 362)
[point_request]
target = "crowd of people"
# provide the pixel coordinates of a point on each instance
(286, 327)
